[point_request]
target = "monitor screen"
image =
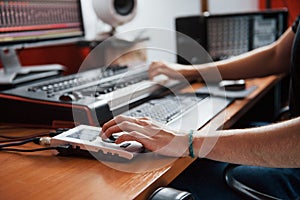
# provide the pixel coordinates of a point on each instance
(32, 21)
(35, 23)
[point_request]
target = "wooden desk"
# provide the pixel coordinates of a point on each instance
(42, 175)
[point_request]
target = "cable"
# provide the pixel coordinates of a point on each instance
(17, 138)
(37, 149)
(45, 141)
(35, 140)
(29, 150)
(24, 137)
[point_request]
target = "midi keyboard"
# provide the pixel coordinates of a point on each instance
(90, 97)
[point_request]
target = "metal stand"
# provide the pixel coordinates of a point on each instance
(13, 73)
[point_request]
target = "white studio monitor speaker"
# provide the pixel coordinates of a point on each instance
(115, 12)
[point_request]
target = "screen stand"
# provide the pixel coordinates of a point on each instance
(13, 73)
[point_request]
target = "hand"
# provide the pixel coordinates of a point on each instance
(172, 70)
(154, 136)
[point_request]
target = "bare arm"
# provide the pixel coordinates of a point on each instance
(276, 145)
(271, 59)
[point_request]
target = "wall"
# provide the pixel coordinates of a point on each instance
(151, 13)
(162, 14)
(215, 6)
(292, 5)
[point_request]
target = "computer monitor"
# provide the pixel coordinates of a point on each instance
(33, 23)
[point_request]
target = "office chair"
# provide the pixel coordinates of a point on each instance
(283, 114)
(242, 189)
(167, 193)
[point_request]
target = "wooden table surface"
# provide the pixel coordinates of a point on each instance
(43, 175)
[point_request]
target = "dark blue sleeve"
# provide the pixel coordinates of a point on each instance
(295, 24)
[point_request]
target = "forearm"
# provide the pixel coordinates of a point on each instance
(257, 63)
(271, 59)
(276, 145)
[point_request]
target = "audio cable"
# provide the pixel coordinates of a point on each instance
(44, 141)
(17, 138)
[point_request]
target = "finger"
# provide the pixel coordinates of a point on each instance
(157, 72)
(125, 126)
(108, 124)
(155, 64)
(143, 121)
(135, 136)
(146, 141)
(111, 130)
(155, 69)
(116, 120)
(113, 125)
(147, 126)
(152, 73)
